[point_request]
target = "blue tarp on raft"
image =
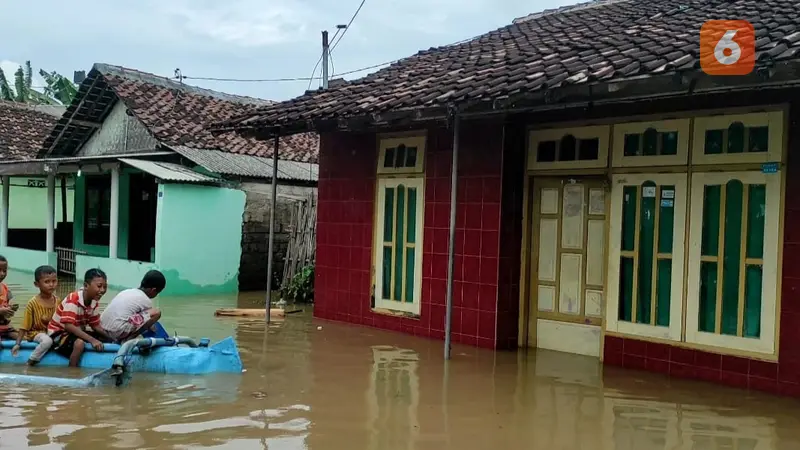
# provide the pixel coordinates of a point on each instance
(220, 357)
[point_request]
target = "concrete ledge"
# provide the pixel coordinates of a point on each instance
(26, 260)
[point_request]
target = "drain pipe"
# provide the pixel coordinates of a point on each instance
(274, 202)
(452, 245)
(127, 347)
(85, 382)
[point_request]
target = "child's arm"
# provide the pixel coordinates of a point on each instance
(74, 329)
(10, 308)
(27, 323)
(99, 330)
(94, 322)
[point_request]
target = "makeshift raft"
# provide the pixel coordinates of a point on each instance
(151, 355)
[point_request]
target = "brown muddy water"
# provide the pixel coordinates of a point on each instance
(347, 387)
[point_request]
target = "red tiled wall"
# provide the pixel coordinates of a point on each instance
(782, 377)
(344, 235)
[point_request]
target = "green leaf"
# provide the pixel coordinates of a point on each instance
(19, 85)
(28, 76)
(5, 90)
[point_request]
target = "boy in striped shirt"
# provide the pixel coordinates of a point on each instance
(38, 314)
(76, 312)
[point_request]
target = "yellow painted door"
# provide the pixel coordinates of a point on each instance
(568, 246)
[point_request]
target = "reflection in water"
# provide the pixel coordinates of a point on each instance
(346, 387)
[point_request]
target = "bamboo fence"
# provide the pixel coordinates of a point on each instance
(302, 229)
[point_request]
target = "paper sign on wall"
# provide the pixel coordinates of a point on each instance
(649, 191)
(667, 193)
(667, 203)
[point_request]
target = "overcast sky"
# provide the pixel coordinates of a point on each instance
(241, 38)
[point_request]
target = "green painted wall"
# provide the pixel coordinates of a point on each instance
(80, 217)
(27, 260)
(27, 207)
(122, 274)
(198, 237)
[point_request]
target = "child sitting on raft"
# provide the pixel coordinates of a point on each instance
(7, 309)
(131, 312)
(38, 314)
(77, 311)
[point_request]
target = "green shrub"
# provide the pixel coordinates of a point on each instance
(301, 286)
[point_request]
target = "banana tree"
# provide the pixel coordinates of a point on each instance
(59, 87)
(59, 90)
(5, 90)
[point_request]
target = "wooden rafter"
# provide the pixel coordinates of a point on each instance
(72, 116)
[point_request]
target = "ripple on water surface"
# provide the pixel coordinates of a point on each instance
(347, 387)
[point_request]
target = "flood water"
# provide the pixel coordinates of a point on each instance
(348, 387)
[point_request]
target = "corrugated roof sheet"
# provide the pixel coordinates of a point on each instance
(169, 171)
(247, 165)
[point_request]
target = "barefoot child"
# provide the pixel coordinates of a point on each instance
(74, 314)
(38, 313)
(7, 309)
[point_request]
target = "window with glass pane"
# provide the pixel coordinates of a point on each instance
(645, 275)
(651, 143)
(400, 157)
(732, 259)
(737, 138)
(398, 247)
(568, 148)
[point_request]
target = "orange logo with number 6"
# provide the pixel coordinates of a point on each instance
(727, 47)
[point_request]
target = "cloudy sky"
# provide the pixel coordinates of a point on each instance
(241, 38)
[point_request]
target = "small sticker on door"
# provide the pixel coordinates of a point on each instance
(667, 193)
(649, 191)
(667, 203)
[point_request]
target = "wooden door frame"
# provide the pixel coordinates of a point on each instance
(529, 252)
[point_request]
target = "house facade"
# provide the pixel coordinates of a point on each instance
(23, 129)
(611, 199)
(153, 188)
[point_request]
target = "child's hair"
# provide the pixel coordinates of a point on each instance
(91, 274)
(154, 279)
(43, 271)
(3, 259)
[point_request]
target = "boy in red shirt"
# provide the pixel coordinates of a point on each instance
(74, 314)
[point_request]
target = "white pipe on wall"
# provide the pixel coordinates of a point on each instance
(113, 232)
(51, 213)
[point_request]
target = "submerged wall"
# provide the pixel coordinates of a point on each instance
(198, 237)
(255, 231)
(484, 298)
(27, 260)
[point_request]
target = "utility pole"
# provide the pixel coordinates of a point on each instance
(325, 52)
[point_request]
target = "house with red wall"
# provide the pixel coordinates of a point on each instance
(608, 197)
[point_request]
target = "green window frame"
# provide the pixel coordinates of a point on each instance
(646, 255)
(398, 246)
(733, 260)
(751, 138)
(649, 144)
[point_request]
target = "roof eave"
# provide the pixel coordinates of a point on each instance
(672, 84)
